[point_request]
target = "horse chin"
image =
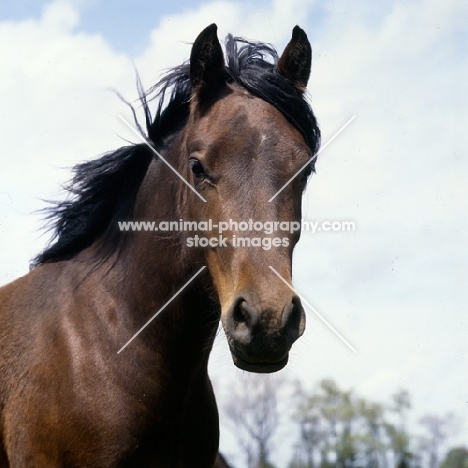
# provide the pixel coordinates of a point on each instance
(259, 367)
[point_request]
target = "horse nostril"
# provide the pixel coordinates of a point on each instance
(293, 321)
(240, 321)
(243, 313)
(238, 313)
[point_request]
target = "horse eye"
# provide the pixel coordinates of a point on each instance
(197, 169)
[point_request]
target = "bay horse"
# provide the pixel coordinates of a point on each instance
(236, 126)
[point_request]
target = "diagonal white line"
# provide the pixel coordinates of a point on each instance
(313, 157)
(314, 311)
(144, 140)
(161, 309)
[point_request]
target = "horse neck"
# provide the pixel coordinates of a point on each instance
(154, 265)
(158, 257)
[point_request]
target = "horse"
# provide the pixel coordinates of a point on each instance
(82, 384)
(221, 462)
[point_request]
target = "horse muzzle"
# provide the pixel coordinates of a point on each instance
(260, 338)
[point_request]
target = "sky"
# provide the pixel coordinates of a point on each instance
(395, 288)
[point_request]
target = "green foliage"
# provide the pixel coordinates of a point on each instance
(456, 458)
(337, 429)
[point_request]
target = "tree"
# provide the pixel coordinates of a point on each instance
(438, 429)
(313, 437)
(373, 445)
(401, 404)
(325, 420)
(252, 412)
(397, 434)
(456, 458)
(337, 429)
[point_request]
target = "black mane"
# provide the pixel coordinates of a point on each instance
(103, 191)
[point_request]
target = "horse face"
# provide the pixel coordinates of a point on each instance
(241, 151)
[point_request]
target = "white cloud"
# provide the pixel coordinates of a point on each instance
(170, 41)
(395, 286)
(60, 15)
(56, 110)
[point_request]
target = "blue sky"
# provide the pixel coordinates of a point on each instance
(395, 288)
(125, 25)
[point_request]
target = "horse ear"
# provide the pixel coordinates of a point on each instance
(206, 60)
(296, 61)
